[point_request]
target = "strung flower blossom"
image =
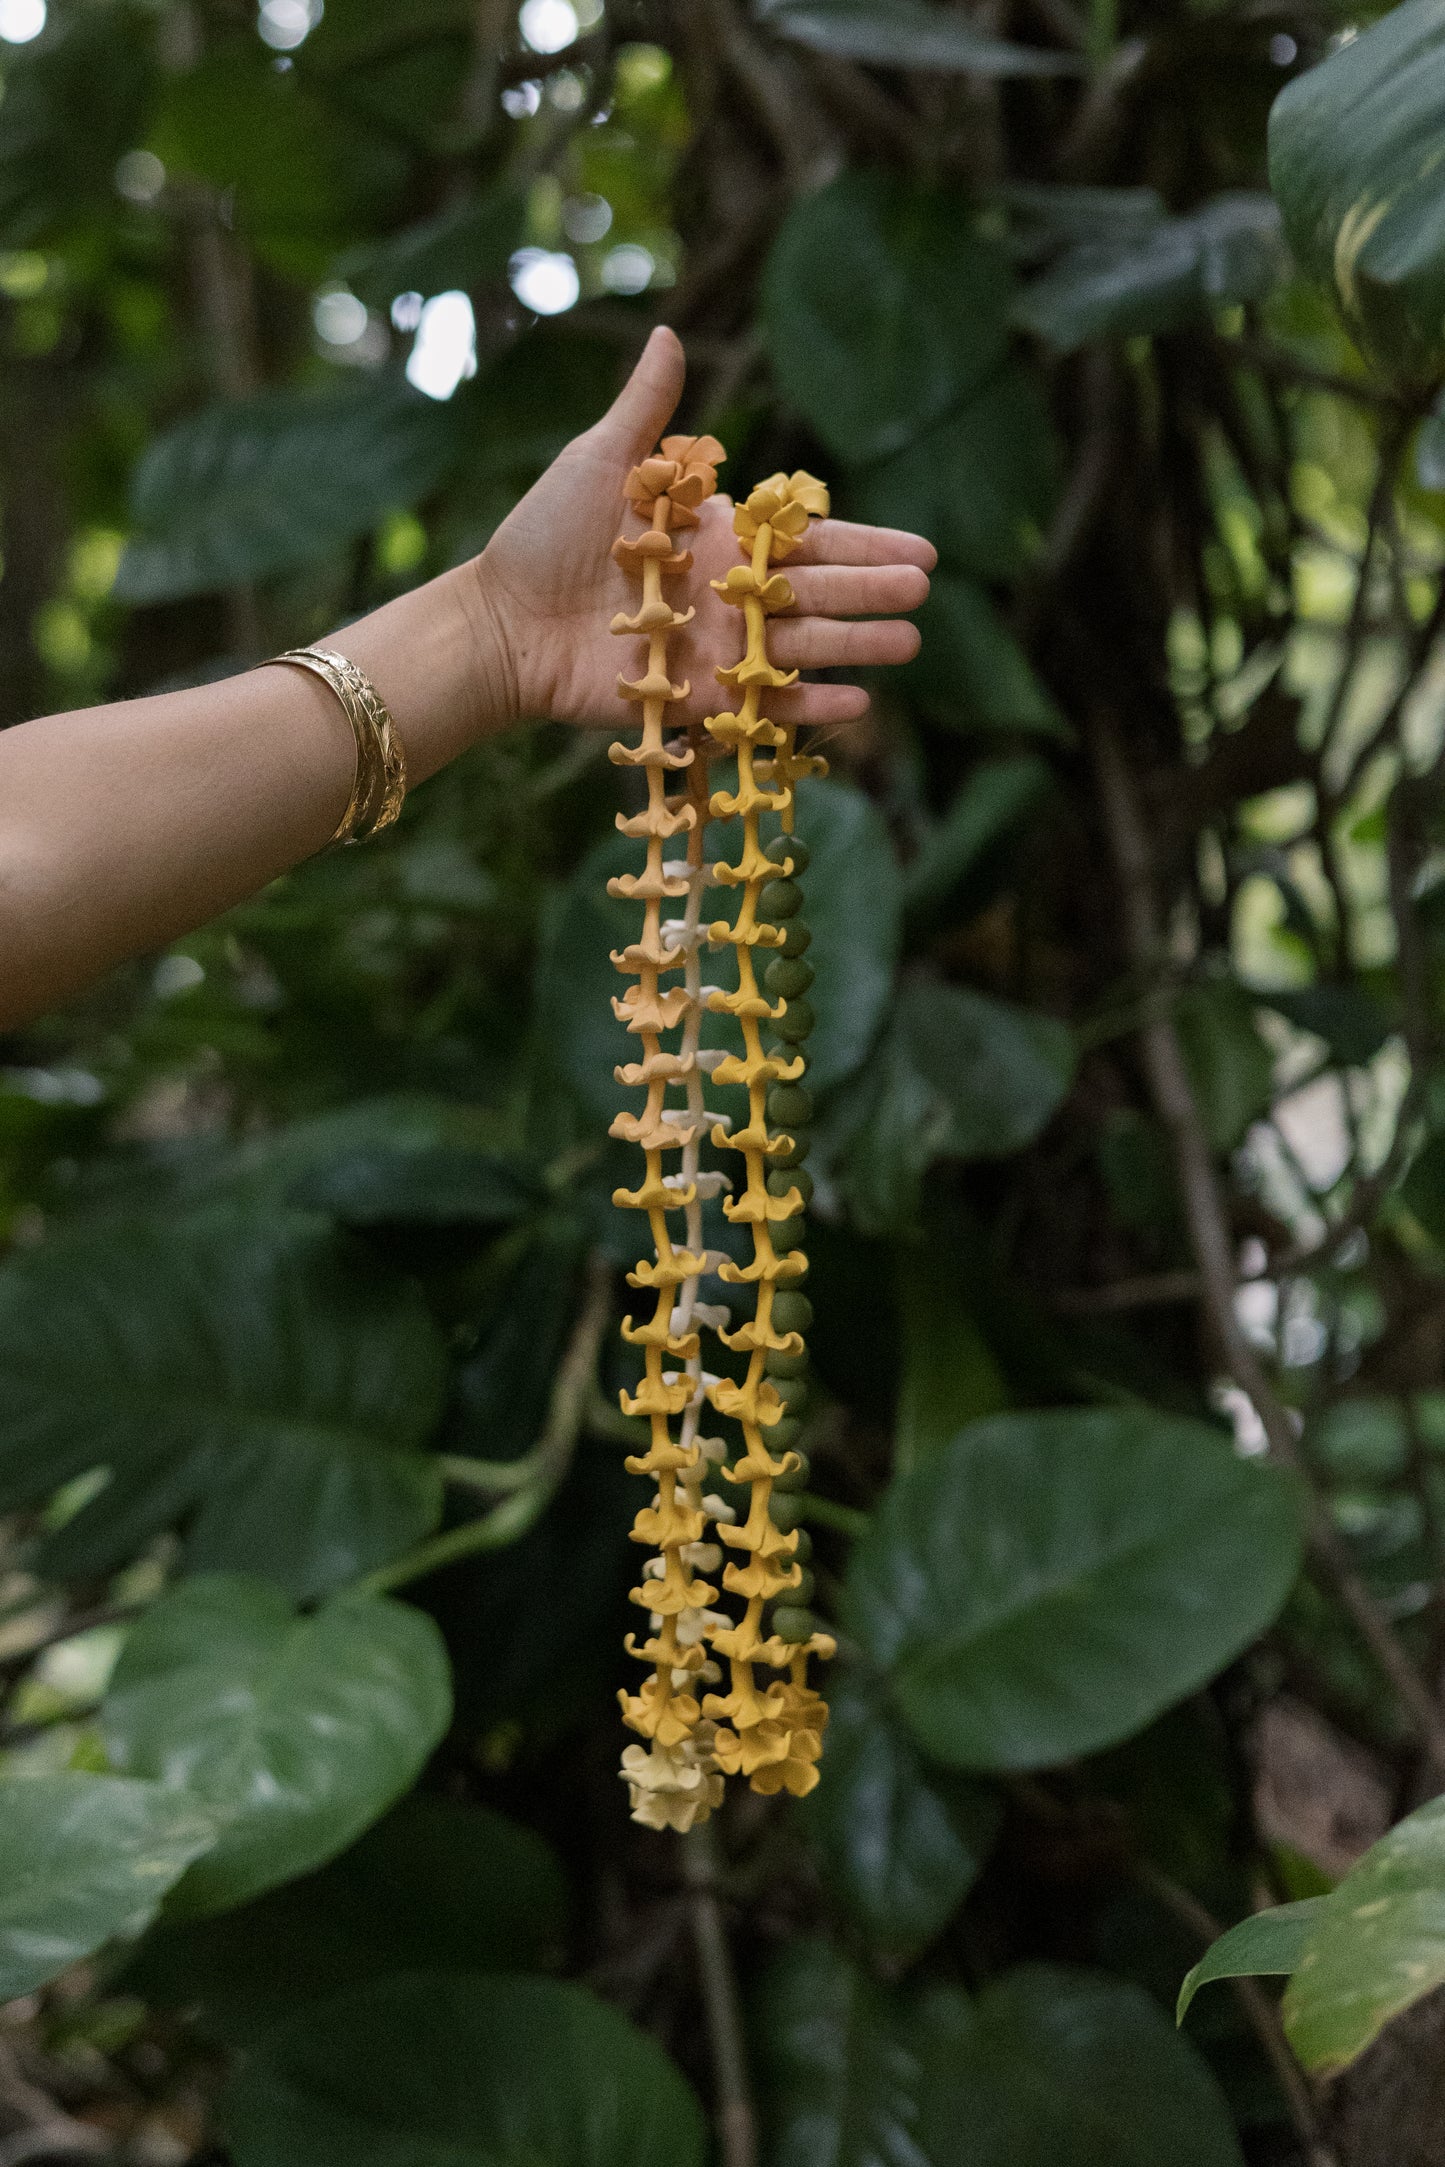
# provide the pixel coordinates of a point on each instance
(673, 1786)
(784, 502)
(685, 471)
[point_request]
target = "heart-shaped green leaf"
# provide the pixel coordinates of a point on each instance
(1265, 1945)
(261, 1380)
(442, 2071)
(294, 1733)
(84, 1859)
(1049, 1583)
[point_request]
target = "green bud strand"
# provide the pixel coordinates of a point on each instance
(779, 899)
(792, 1312)
(796, 1022)
(789, 1106)
(787, 981)
(784, 847)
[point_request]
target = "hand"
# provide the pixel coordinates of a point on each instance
(548, 587)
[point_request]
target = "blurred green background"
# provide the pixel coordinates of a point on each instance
(1127, 1405)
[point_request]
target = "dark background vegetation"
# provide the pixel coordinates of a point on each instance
(1128, 1406)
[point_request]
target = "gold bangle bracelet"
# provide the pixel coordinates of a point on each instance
(379, 784)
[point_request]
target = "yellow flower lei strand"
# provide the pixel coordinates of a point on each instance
(772, 1735)
(674, 1782)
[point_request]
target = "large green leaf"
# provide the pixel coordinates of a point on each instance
(957, 1075)
(852, 903)
(259, 1379)
(980, 485)
(251, 488)
(75, 100)
(84, 1859)
(949, 1375)
(839, 2079)
(988, 807)
(1051, 1582)
(1265, 1945)
(464, 246)
(295, 1733)
(1377, 1946)
(970, 673)
(303, 177)
(1054, 2065)
(907, 34)
(883, 310)
(436, 1884)
(899, 1843)
(1230, 1066)
(440, 2071)
(1172, 272)
(1354, 162)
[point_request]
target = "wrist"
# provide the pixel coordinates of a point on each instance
(494, 702)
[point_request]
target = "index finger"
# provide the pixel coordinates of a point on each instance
(848, 541)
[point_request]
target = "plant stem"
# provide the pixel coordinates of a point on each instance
(540, 1473)
(1259, 2010)
(824, 1512)
(737, 2126)
(1174, 1101)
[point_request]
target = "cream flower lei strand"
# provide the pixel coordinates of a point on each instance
(774, 1735)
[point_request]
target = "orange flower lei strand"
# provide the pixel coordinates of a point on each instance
(772, 1734)
(674, 1782)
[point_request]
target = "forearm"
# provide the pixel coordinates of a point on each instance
(123, 827)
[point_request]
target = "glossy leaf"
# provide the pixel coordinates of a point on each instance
(465, 246)
(970, 673)
(434, 1885)
(1377, 1946)
(899, 1843)
(950, 1377)
(250, 488)
(1351, 1022)
(1169, 273)
(1053, 2064)
(440, 1186)
(980, 484)
(83, 1860)
(1352, 161)
(253, 1378)
(294, 1733)
(839, 2079)
(1229, 1064)
(995, 799)
(1266, 1944)
(957, 1075)
(444, 2071)
(883, 310)
(1050, 1583)
(75, 101)
(907, 34)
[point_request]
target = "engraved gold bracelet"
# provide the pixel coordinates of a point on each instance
(379, 784)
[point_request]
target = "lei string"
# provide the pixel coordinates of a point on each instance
(771, 1733)
(673, 1782)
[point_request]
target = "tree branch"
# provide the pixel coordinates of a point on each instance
(737, 2125)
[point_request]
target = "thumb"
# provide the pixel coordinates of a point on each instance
(642, 409)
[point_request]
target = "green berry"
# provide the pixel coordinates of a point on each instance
(789, 1106)
(792, 1624)
(795, 1150)
(803, 1592)
(789, 1233)
(777, 1365)
(798, 1478)
(782, 1179)
(793, 1392)
(784, 847)
(779, 899)
(782, 1436)
(803, 1547)
(792, 1312)
(784, 1513)
(796, 1022)
(787, 981)
(797, 939)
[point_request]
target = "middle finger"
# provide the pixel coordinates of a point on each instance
(857, 590)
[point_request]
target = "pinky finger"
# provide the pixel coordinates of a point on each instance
(821, 704)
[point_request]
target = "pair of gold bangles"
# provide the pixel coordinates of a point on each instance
(379, 783)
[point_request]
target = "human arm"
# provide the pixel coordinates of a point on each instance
(124, 826)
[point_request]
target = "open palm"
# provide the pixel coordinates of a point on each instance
(553, 587)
